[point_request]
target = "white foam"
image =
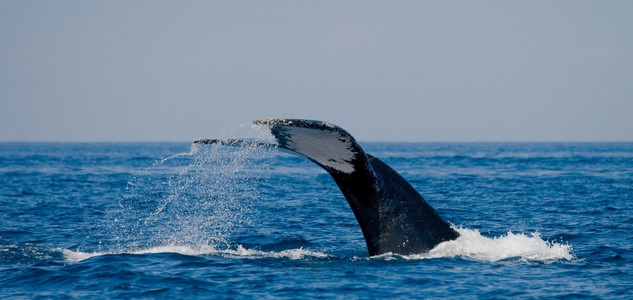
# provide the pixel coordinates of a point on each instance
(294, 254)
(519, 246)
(239, 252)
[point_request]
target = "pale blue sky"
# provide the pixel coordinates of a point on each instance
(383, 70)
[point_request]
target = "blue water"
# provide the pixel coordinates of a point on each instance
(156, 220)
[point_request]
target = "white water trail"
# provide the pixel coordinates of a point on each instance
(471, 244)
(238, 253)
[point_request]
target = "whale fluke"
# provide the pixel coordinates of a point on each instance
(392, 215)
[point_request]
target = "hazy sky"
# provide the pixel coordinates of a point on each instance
(383, 70)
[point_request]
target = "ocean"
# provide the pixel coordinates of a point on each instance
(181, 220)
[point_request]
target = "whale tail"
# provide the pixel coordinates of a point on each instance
(392, 215)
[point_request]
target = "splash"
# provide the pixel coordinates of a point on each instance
(472, 244)
(192, 199)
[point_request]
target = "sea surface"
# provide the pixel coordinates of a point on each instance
(180, 220)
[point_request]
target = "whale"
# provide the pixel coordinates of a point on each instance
(393, 217)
